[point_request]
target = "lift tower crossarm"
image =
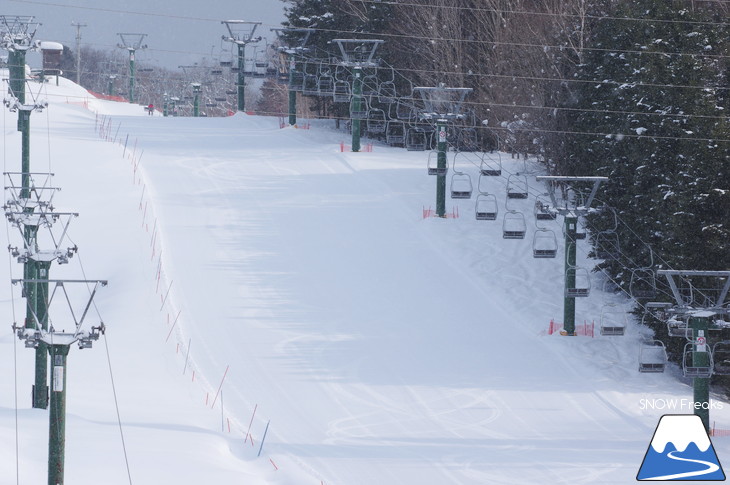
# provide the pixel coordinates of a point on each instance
(17, 32)
(719, 304)
(357, 53)
(442, 102)
(561, 178)
(293, 49)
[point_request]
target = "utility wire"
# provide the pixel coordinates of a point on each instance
(541, 14)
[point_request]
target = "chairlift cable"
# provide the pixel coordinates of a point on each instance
(116, 407)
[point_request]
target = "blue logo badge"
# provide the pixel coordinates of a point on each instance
(680, 450)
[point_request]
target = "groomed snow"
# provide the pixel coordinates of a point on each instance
(378, 346)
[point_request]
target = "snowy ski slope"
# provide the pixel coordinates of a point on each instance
(262, 269)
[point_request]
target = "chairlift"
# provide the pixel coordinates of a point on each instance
(486, 207)
(220, 100)
(461, 186)
(678, 328)
(211, 105)
(692, 369)
(415, 140)
(309, 88)
(513, 225)
(652, 356)
(613, 322)
(296, 81)
(216, 72)
(491, 164)
(386, 92)
(543, 210)
(580, 229)
(370, 85)
(433, 168)
(341, 92)
(721, 358)
(467, 139)
(517, 187)
(404, 111)
(544, 244)
(643, 283)
(395, 132)
(326, 85)
(582, 286)
(361, 112)
(231, 92)
(606, 245)
(226, 63)
(376, 122)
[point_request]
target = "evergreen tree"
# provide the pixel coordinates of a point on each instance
(649, 107)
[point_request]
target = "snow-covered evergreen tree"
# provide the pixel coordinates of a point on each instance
(649, 116)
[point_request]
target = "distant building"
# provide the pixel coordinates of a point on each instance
(51, 57)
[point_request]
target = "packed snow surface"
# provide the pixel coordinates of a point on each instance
(271, 294)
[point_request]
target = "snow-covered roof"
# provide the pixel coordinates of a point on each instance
(48, 45)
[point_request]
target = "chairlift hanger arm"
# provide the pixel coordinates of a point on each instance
(560, 178)
(670, 274)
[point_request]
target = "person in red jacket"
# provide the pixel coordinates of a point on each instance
(150, 108)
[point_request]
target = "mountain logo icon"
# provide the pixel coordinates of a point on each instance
(680, 450)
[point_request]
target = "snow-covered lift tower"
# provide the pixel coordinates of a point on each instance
(16, 37)
(194, 75)
(292, 45)
(24, 193)
(567, 202)
(132, 43)
(443, 105)
(58, 342)
(241, 33)
(357, 54)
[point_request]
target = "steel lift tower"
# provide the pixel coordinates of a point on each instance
(569, 202)
(241, 34)
(443, 105)
(292, 46)
(132, 43)
(358, 54)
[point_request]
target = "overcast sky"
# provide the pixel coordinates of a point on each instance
(178, 32)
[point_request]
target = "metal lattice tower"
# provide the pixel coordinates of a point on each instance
(131, 43)
(241, 33)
